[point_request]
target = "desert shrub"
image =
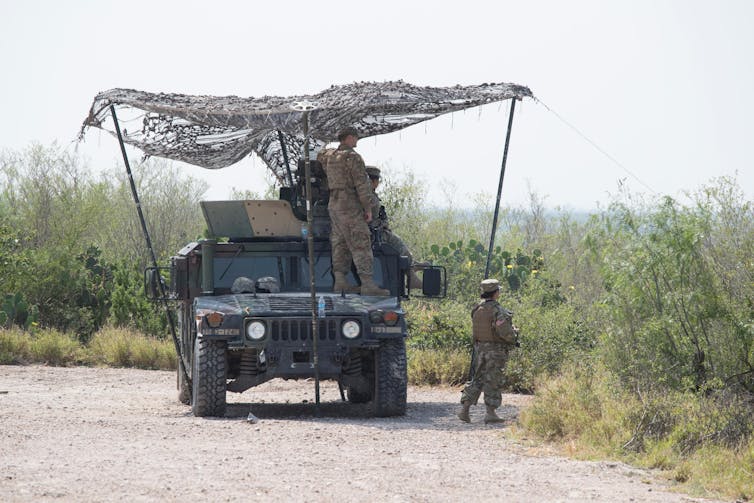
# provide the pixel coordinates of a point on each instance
(551, 336)
(14, 346)
(130, 306)
(438, 366)
(673, 315)
(52, 347)
(119, 347)
(565, 406)
(438, 325)
(699, 440)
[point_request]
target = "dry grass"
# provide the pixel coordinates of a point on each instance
(437, 366)
(702, 443)
(119, 347)
(116, 347)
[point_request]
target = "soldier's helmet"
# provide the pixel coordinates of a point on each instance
(373, 172)
(490, 285)
(347, 131)
(268, 284)
(242, 284)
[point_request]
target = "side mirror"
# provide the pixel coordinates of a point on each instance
(434, 281)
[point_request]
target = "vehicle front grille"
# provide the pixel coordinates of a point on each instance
(300, 329)
(296, 303)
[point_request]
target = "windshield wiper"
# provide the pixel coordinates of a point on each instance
(240, 249)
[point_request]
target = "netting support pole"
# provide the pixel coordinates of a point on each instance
(499, 190)
(310, 246)
(491, 248)
(284, 150)
(168, 311)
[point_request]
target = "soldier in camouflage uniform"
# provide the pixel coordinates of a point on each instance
(379, 222)
(494, 336)
(350, 209)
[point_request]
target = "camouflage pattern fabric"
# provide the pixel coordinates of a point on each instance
(351, 241)
(489, 364)
(217, 131)
(381, 224)
(347, 179)
(493, 323)
(350, 195)
(396, 242)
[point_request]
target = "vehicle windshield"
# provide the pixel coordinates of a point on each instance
(290, 271)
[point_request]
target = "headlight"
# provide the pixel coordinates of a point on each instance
(351, 329)
(255, 330)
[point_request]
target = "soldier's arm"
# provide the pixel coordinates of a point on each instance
(504, 325)
(357, 172)
(375, 208)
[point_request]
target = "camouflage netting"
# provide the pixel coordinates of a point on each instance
(215, 132)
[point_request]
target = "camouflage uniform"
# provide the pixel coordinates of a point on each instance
(388, 236)
(494, 335)
(350, 195)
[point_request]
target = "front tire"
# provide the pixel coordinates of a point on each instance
(391, 378)
(209, 378)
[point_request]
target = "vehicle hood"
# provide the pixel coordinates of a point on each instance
(291, 304)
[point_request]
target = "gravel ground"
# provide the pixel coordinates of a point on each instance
(90, 434)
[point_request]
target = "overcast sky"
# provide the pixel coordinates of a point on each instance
(663, 87)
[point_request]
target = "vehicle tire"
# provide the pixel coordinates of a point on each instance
(358, 394)
(209, 378)
(391, 379)
(184, 394)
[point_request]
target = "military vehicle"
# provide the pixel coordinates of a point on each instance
(244, 308)
(244, 314)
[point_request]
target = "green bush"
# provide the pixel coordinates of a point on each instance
(130, 306)
(438, 325)
(678, 310)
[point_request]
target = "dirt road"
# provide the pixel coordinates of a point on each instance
(85, 434)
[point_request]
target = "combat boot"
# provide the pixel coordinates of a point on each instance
(341, 284)
(463, 414)
(369, 287)
(491, 417)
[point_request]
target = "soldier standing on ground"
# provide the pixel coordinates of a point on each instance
(380, 223)
(350, 210)
(494, 336)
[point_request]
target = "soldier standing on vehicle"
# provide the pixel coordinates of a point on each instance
(350, 211)
(494, 336)
(380, 224)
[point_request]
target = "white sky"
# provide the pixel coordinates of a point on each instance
(664, 87)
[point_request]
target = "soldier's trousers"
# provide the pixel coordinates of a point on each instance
(489, 364)
(350, 240)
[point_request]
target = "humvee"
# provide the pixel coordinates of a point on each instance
(244, 309)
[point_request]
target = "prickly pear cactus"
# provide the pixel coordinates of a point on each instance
(16, 311)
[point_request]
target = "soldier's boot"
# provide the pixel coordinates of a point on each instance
(369, 287)
(414, 281)
(341, 284)
(463, 414)
(491, 417)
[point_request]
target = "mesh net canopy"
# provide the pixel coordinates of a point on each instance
(215, 132)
